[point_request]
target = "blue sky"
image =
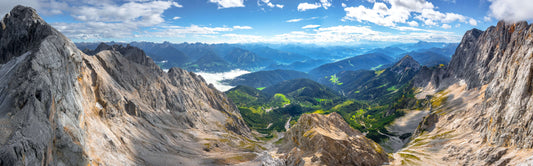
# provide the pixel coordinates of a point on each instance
(336, 22)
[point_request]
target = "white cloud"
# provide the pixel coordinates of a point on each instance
(335, 34)
(269, 4)
(400, 11)
(242, 27)
(511, 10)
(412, 23)
(192, 31)
(319, 35)
(294, 20)
(446, 26)
(379, 14)
(487, 18)
(146, 14)
(325, 3)
(228, 3)
(112, 20)
(308, 6)
(94, 30)
(175, 18)
(46, 7)
(472, 22)
(451, 17)
(310, 26)
(404, 28)
(343, 5)
(347, 34)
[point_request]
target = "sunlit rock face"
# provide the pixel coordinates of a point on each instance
(485, 115)
(59, 106)
(328, 140)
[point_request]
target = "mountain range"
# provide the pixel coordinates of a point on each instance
(114, 104)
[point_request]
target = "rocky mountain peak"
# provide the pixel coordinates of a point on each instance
(134, 54)
(21, 30)
(487, 94)
(59, 106)
(406, 63)
(476, 56)
(328, 140)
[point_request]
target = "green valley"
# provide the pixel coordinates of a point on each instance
(367, 101)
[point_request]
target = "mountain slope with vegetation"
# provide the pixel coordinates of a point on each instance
(265, 78)
(366, 61)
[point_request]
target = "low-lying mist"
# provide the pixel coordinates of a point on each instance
(216, 78)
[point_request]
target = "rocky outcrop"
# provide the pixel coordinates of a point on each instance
(485, 98)
(59, 106)
(504, 62)
(406, 63)
(328, 140)
(22, 30)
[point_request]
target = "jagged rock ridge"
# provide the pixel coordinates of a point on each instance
(59, 106)
(482, 109)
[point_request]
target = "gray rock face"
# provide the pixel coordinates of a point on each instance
(328, 140)
(21, 30)
(497, 64)
(502, 58)
(59, 106)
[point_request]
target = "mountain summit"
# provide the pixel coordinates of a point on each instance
(482, 102)
(22, 29)
(59, 106)
(406, 63)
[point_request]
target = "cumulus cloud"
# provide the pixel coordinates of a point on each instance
(399, 12)
(511, 10)
(145, 14)
(228, 3)
(472, 22)
(47, 7)
(113, 20)
(308, 6)
(412, 23)
(325, 3)
(175, 18)
(310, 26)
(294, 20)
(269, 4)
(446, 26)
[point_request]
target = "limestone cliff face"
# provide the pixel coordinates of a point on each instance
(59, 106)
(483, 113)
(328, 140)
(501, 58)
